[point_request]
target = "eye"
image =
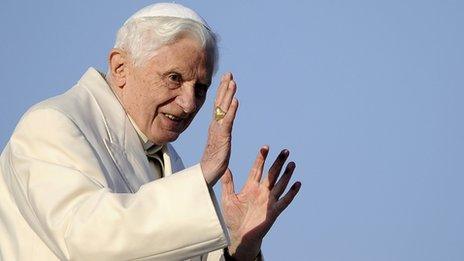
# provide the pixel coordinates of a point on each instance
(175, 78)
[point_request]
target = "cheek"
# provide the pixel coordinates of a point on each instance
(155, 95)
(162, 92)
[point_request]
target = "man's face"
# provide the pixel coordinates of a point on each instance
(164, 95)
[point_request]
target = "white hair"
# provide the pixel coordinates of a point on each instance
(141, 37)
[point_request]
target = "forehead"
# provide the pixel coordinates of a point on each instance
(185, 55)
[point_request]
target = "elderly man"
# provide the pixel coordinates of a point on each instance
(90, 174)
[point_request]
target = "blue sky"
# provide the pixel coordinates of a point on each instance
(367, 95)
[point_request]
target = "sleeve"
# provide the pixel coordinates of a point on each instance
(62, 195)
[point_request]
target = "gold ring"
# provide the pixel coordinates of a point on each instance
(219, 113)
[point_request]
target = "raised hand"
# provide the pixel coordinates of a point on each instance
(250, 214)
(217, 152)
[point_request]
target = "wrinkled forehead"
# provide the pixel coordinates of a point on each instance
(185, 55)
(188, 46)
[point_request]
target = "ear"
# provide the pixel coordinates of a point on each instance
(118, 67)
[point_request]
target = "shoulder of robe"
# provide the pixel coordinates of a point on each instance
(61, 131)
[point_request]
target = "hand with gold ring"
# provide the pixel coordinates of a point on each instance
(219, 113)
(215, 159)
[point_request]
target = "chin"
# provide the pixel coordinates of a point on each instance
(165, 138)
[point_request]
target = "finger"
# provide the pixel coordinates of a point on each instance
(275, 169)
(257, 169)
(280, 186)
(228, 96)
(228, 120)
(222, 88)
(226, 78)
(227, 181)
(283, 203)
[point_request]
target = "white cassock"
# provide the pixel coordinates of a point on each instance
(76, 184)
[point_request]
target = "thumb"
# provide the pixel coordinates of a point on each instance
(227, 181)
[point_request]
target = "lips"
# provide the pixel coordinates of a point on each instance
(173, 123)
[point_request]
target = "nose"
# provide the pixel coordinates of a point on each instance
(186, 99)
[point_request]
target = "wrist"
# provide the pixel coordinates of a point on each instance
(239, 250)
(207, 174)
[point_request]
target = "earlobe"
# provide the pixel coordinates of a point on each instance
(118, 67)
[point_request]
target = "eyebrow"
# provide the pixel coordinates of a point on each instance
(180, 71)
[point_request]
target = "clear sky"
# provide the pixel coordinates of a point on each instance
(367, 95)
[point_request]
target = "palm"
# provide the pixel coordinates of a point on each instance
(248, 209)
(250, 214)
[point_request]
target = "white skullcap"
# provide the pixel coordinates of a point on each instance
(170, 10)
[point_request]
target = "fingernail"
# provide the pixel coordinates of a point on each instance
(285, 152)
(292, 165)
(231, 84)
(264, 150)
(296, 186)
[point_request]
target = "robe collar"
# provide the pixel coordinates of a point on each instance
(122, 139)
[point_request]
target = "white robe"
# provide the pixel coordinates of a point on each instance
(75, 184)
